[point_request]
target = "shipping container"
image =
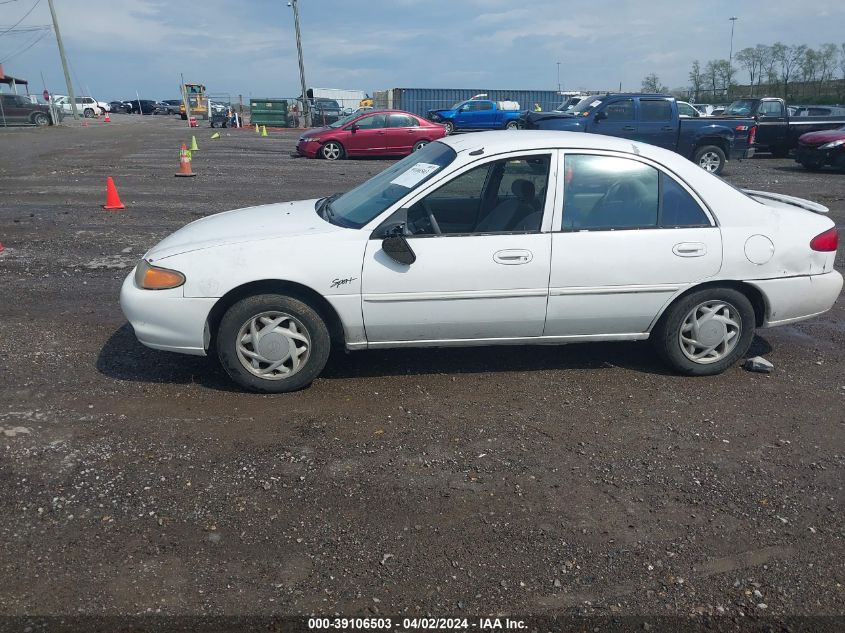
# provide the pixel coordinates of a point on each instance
(268, 111)
(421, 100)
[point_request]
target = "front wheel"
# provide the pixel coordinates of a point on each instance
(450, 127)
(332, 150)
(272, 343)
(705, 332)
(41, 119)
(419, 145)
(710, 158)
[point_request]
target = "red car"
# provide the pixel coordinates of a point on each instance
(372, 133)
(826, 147)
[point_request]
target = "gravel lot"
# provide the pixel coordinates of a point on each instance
(574, 480)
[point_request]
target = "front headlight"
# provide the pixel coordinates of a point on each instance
(151, 277)
(833, 144)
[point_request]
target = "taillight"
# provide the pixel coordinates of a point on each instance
(825, 242)
(752, 135)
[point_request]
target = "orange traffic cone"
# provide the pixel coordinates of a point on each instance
(112, 199)
(107, 119)
(184, 163)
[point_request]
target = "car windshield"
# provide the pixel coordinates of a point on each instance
(360, 206)
(585, 106)
(741, 107)
(327, 104)
(345, 120)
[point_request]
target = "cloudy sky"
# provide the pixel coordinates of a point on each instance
(247, 46)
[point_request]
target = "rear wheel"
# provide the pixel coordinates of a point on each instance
(420, 144)
(332, 150)
(450, 127)
(710, 158)
(41, 119)
(88, 113)
(705, 332)
(272, 343)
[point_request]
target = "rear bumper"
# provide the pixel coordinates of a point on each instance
(741, 154)
(794, 299)
(165, 319)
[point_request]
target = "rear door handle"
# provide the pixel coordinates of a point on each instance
(690, 249)
(668, 128)
(629, 128)
(511, 257)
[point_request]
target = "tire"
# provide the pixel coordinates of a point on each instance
(332, 150)
(41, 120)
(811, 165)
(312, 343)
(419, 145)
(668, 341)
(450, 127)
(710, 158)
(512, 125)
(88, 113)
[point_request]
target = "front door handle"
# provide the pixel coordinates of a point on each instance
(690, 249)
(511, 257)
(668, 128)
(629, 128)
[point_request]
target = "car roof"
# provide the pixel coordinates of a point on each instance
(526, 140)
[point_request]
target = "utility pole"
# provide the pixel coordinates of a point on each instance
(64, 60)
(306, 106)
(558, 77)
(733, 20)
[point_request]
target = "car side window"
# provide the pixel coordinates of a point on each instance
(478, 106)
(771, 108)
(655, 110)
(402, 120)
(503, 196)
(606, 193)
(622, 110)
(678, 208)
(373, 122)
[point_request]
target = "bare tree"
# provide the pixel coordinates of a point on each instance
(749, 59)
(808, 67)
(842, 66)
(651, 83)
(764, 53)
(789, 59)
(726, 74)
(711, 73)
(827, 64)
(696, 80)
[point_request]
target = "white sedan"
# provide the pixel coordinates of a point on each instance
(490, 239)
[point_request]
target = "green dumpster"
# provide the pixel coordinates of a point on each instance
(272, 112)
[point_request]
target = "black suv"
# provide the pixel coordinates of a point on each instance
(324, 111)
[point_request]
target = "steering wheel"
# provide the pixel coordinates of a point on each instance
(431, 219)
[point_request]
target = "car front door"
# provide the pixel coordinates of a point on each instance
(401, 133)
(626, 239)
(12, 110)
(655, 124)
(482, 258)
(616, 118)
(772, 127)
(366, 136)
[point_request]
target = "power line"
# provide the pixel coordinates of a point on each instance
(28, 29)
(26, 48)
(25, 15)
(8, 1)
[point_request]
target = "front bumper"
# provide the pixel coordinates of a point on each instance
(815, 156)
(308, 148)
(792, 299)
(166, 319)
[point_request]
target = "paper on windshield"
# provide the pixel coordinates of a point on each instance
(595, 103)
(414, 175)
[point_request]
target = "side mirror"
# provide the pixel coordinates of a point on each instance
(600, 116)
(353, 128)
(397, 248)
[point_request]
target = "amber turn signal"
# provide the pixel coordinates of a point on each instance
(152, 277)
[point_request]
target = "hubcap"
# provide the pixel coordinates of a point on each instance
(709, 161)
(331, 151)
(710, 332)
(273, 345)
(420, 145)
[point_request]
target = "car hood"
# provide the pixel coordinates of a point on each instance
(269, 221)
(316, 132)
(823, 136)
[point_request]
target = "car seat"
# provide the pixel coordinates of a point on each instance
(506, 214)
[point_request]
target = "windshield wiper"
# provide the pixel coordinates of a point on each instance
(324, 207)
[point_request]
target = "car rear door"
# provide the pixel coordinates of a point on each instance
(402, 132)
(656, 124)
(13, 110)
(627, 238)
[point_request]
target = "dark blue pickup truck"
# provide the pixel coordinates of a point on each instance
(653, 118)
